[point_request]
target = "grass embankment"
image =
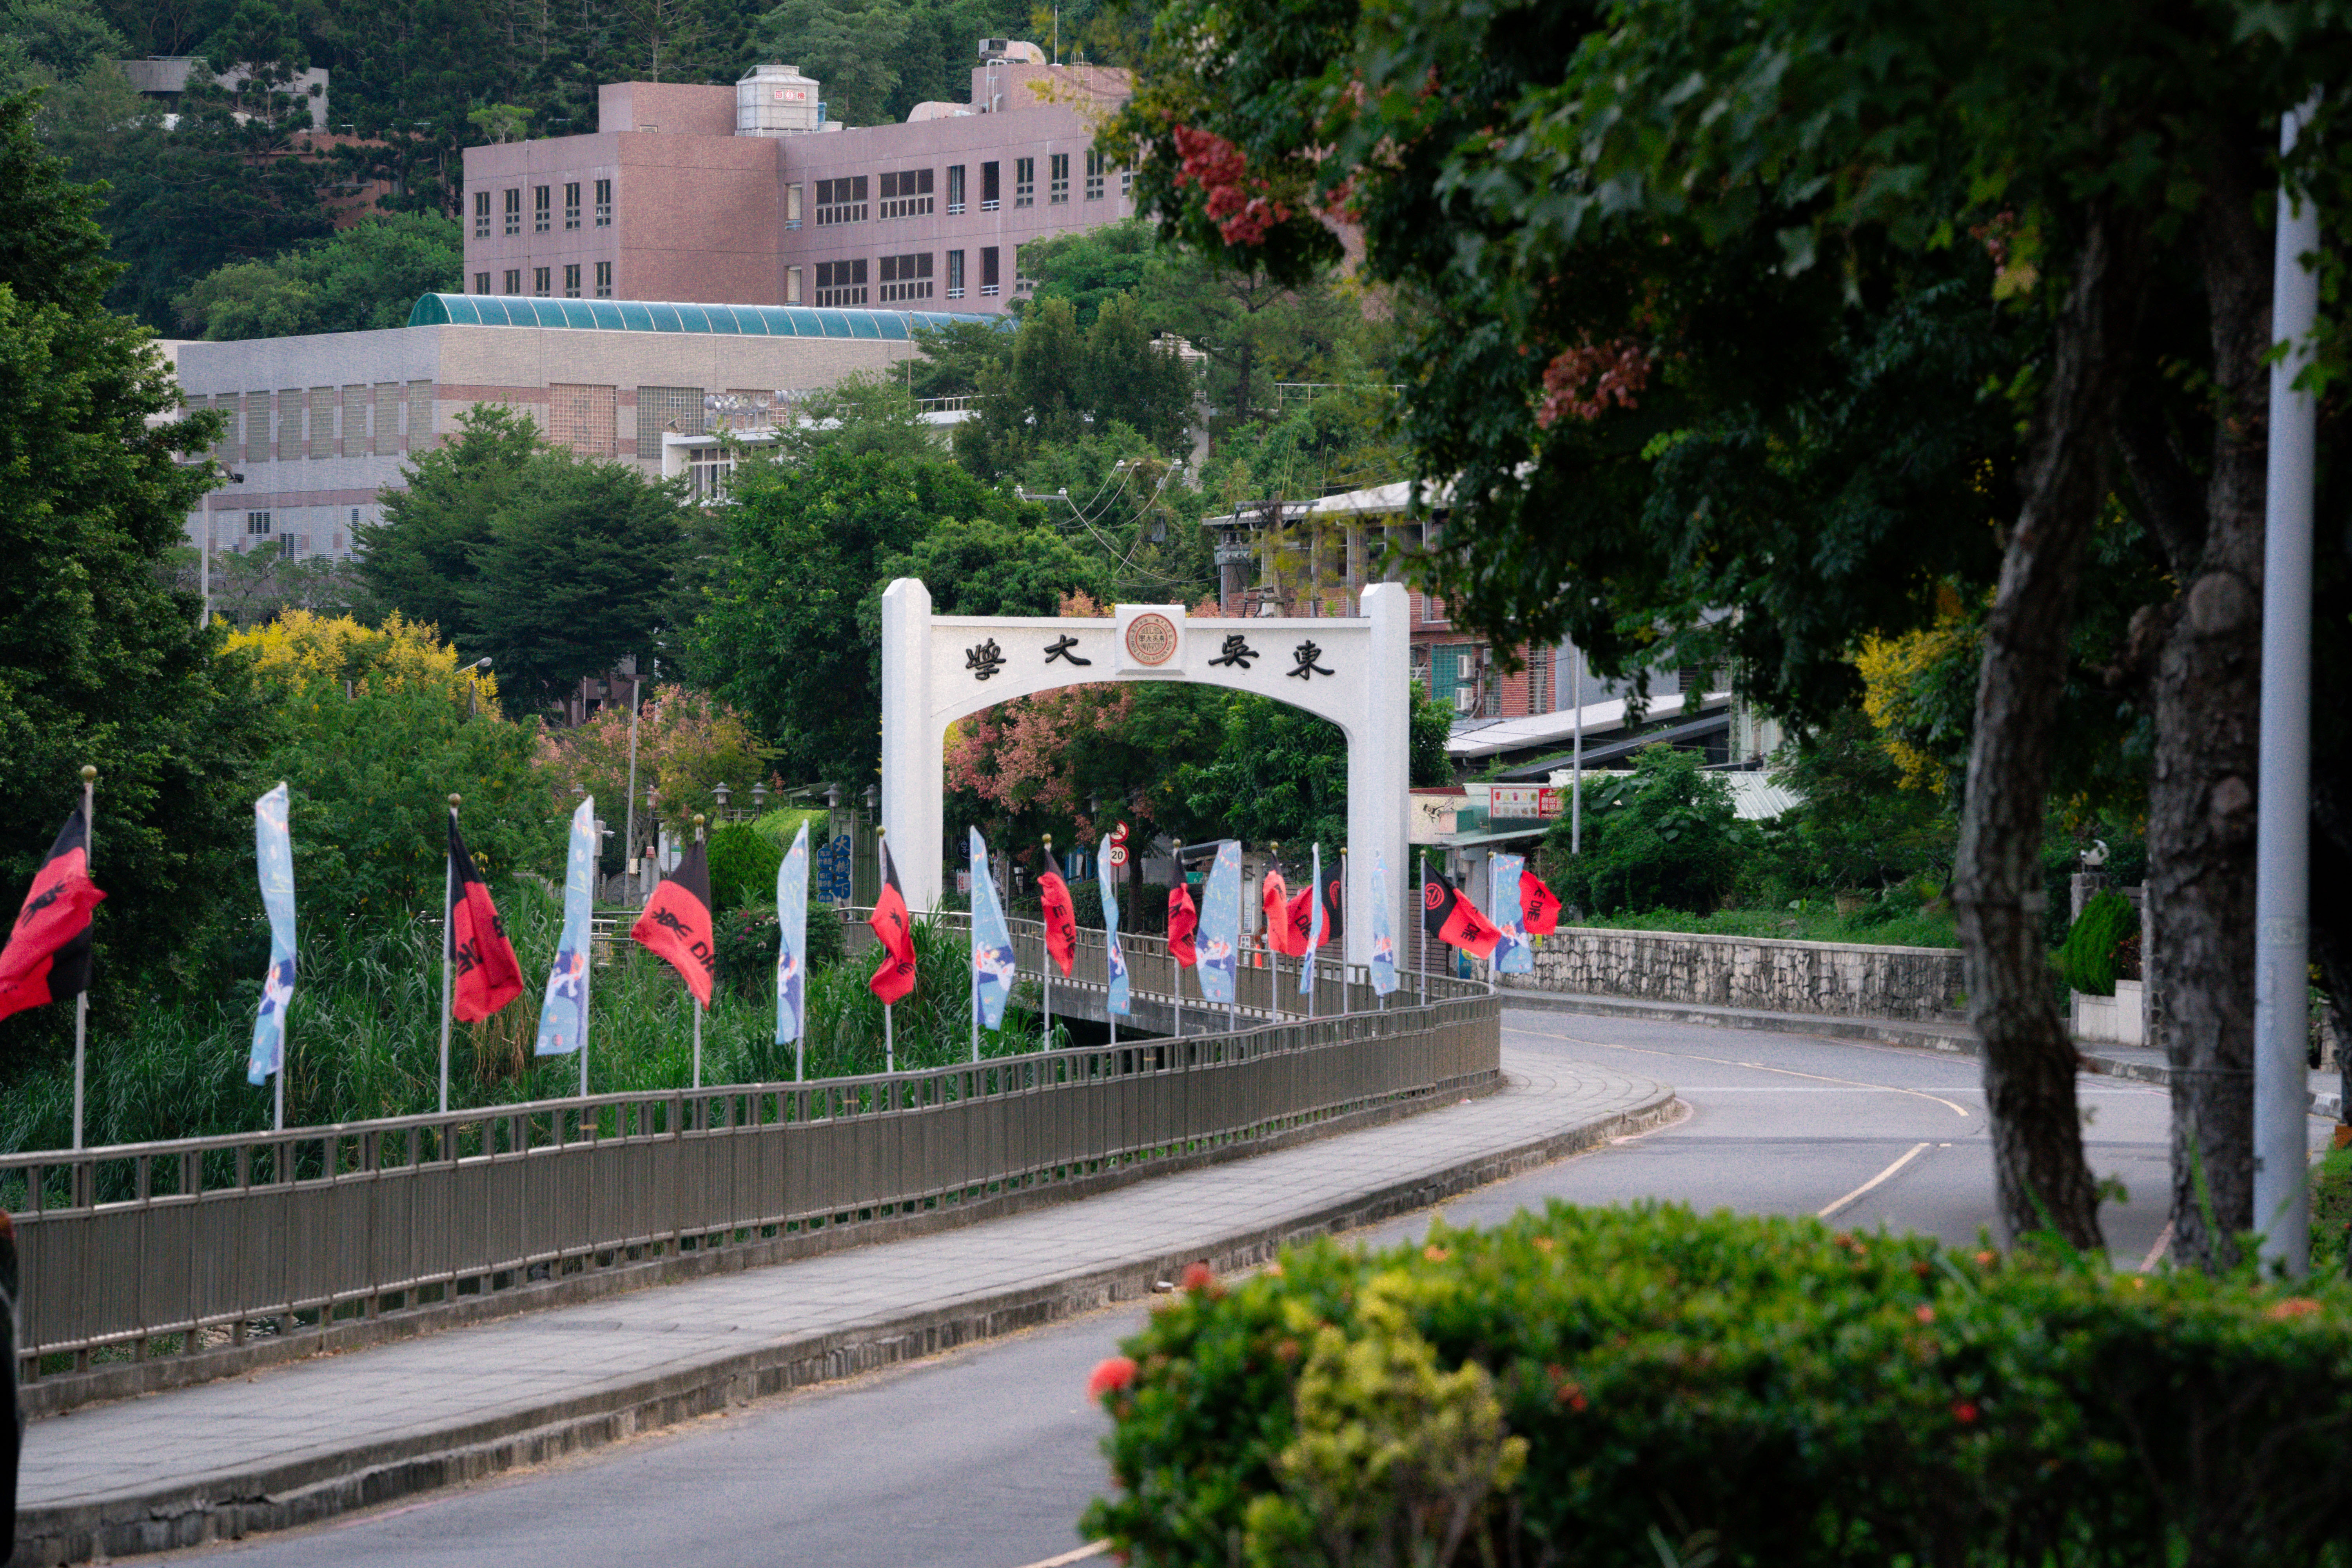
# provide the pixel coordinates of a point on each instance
(1814, 922)
(364, 1032)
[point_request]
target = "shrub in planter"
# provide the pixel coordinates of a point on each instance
(747, 945)
(1793, 1395)
(2088, 959)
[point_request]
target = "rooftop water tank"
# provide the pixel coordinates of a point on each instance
(775, 100)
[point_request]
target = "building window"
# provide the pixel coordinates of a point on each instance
(988, 191)
(1058, 167)
(540, 212)
(1024, 182)
(841, 283)
(1126, 184)
(792, 285)
(603, 203)
(481, 215)
(514, 210)
(481, 282)
(571, 204)
(604, 280)
(514, 280)
(841, 201)
(906, 193)
(572, 280)
(955, 274)
(905, 278)
(256, 522)
(1098, 166)
(955, 190)
(539, 280)
(988, 272)
(792, 206)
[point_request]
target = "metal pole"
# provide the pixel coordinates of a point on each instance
(2283, 832)
(1420, 966)
(1576, 766)
(889, 1043)
(448, 891)
(204, 574)
(1046, 957)
(629, 833)
(81, 1002)
(973, 923)
(691, 996)
(587, 971)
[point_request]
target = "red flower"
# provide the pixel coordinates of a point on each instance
(1964, 1413)
(1110, 1376)
(1925, 1314)
(1198, 1276)
(2292, 1308)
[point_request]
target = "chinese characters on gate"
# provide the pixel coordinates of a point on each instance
(984, 659)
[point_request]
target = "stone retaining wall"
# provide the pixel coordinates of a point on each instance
(1825, 977)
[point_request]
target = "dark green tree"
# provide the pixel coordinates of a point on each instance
(101, 663)
(360, 278)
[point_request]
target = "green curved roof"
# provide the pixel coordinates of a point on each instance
(660, 316)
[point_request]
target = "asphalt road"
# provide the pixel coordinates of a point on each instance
(983, 1457)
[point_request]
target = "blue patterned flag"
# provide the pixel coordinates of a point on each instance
(1119, 982)
(1219, 938)
(992, 965)
(792, 941)
(1384, 953)
(273, 848)
(1515, 955)
(564, 1014)
(1315, 932)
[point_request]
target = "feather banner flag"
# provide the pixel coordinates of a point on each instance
(273, 852)
(1219, 936)
(792, 941)
(1384, 953)
(563, 1011)
(992, 963)
(1514, 954)
(1118, 960)
(1313, 936)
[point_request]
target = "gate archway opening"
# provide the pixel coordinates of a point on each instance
(1352, 670)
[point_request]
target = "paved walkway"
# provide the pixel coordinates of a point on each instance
(317, 1436)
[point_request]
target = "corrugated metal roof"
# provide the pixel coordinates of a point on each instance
(667, 316)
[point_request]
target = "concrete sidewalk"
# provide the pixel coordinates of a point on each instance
(2136, 1062)
(304, 1441)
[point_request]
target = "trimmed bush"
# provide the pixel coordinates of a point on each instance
(1626, 1386)
(744, 862)
(2086, 960)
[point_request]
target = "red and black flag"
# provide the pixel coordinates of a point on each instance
(1539, 905)
(488, 977)
(1280, 935)
(1335, 896)
(1061, 920)
(1183, 920)
(1302, 920)
(676, 924)
(47, 955)
(895, 977)
(1451, 918)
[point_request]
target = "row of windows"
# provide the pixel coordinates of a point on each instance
(542, 208)
(542, 279)
(903, 277)
(910, 193)
(301, 423)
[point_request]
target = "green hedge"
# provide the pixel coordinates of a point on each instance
(2086, 960)
(1632, 1386)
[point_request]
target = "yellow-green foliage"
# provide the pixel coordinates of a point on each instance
(301, 646)
(1395, 1461)
(1895, 674)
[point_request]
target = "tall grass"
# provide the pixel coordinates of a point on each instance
(364, 1038)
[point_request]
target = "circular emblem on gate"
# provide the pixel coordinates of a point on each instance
(1152, 639)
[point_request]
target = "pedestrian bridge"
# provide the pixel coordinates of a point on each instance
(153, 1265)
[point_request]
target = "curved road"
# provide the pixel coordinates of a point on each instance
(983, 1457)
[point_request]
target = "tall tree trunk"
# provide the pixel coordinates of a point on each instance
(2042, 1179)
(2208, 700)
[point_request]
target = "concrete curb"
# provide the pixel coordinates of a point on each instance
(319, 1485)
(1876, 1031)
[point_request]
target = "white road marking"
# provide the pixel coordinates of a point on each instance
(1091, 1549)
(2156, 1254)
(1916, 1150)
(1955, 1108)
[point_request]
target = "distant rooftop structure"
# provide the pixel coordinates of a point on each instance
(166, 76)
(678, 316)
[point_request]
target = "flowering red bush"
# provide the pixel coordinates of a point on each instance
(1242, 206)
(1581, 382)
(1110, 1376)
(1198, 1276)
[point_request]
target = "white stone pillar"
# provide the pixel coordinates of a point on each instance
(914, 777)
(1380, 773)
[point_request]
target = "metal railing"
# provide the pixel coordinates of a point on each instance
(138, 1251)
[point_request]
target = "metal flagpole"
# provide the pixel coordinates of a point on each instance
(889, 1044)
(690, 995)
(972, 920)
(448, 892)
(587, 968)
(2283, 822)
(629, 832)
(1045, 965)
(1421, 924)
(1576, 766)
(81, 1002)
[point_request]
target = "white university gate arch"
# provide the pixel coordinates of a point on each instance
(1353, 672)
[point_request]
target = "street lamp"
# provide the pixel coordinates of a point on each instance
(872, 798)
(721, 792)
(474, 683)
(759, 798)
(205, 565)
